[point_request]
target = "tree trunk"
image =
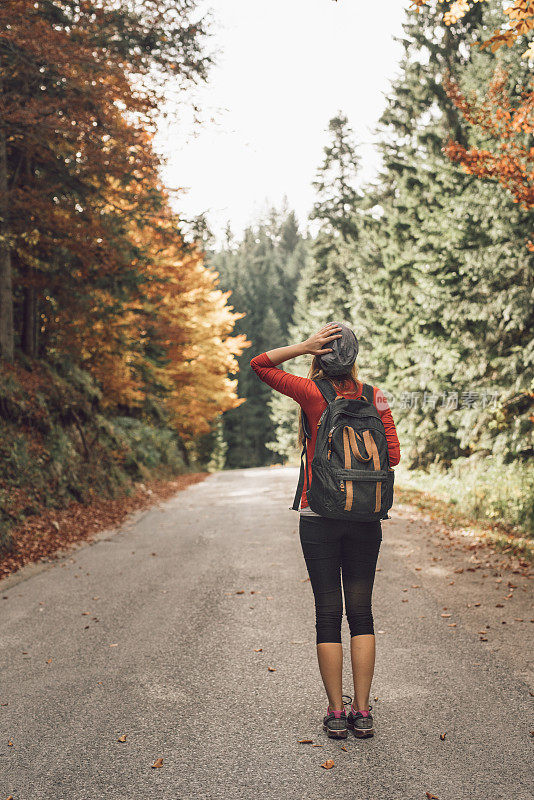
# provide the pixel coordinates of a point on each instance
(6, 280)
(29, 319)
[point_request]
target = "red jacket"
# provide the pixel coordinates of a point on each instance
(310, 399)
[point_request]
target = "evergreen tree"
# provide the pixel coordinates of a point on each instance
(437, 266)
(261, 272)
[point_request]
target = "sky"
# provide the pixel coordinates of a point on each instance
(283, 69)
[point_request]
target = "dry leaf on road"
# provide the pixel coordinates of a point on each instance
(122, 738)
(328, 764)
(157, 763)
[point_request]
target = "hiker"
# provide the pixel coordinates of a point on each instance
(341, 538)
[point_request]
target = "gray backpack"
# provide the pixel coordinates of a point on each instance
(351, 476)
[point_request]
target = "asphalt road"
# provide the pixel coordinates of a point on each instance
(152, 633)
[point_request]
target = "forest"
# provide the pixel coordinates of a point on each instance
(126, 335)
(431, 264)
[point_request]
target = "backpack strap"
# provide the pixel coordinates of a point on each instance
(368, 392)
(303, 476)
(326, 389)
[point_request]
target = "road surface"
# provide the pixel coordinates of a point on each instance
(154, 633)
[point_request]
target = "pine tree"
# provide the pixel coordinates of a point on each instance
(261, 273)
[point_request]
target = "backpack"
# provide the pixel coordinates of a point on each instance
(351, 476)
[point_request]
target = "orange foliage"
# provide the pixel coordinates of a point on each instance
(520, 21)
(118, 289)
(509, 126)
(193, 323)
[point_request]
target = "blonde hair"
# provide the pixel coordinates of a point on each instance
(316, 371)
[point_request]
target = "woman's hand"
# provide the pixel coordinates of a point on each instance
(315, 345)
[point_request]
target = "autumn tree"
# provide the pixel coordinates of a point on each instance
(509, 126)
(100, 270)
(74, 137)
(519, 21)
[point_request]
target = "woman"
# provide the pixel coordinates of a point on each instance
(334, 546)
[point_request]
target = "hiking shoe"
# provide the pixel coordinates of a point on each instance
(360, 724)
(335, 724)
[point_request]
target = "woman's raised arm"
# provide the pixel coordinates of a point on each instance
(315, 345)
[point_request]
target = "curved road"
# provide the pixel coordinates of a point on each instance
(154, 633)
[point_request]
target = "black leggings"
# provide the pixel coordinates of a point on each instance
(331, 546)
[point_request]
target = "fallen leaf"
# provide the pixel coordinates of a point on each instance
(258, 649)
(10, 797)
(122, 738)
(85, 613)
(112, 645)
(317, 745)
(344, 748)
(328, 764)
(271, 669)
(415, 586)
(240, 591)
(376, 698)
(10, 743)
(49, 661)
(432, 796)
(460, 570)
(477, 604)
(452, 625)
(499, 605)
(446, 615)
(442, 736)
(305, 741)
(483, 639)
(157, 763)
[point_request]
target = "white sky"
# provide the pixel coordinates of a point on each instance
(284, 68)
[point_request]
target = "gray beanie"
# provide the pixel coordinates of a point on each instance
(344, 352)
